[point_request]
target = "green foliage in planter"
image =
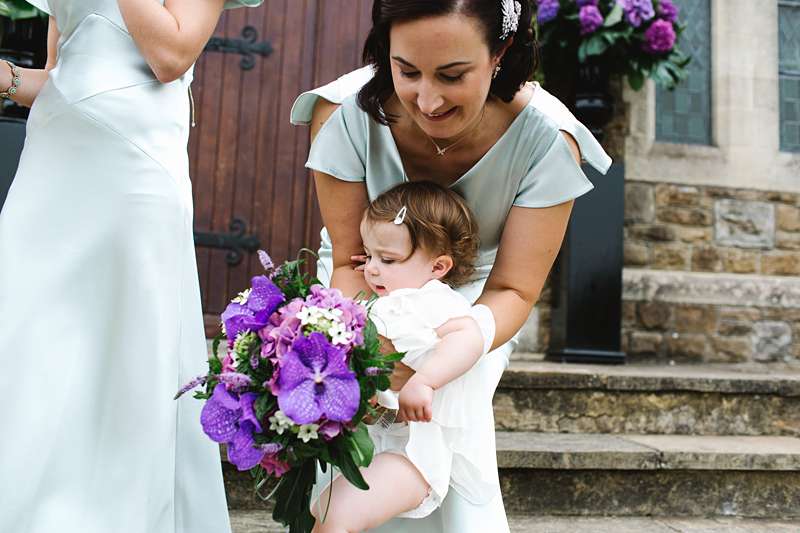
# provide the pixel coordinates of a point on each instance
(18, 9)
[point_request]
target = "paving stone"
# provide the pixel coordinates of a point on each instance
(731, 290)
(722, 453)
(261, 522)
(579, 524)
(572, 451)
(719, 399)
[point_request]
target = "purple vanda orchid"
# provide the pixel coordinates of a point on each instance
(229, 419)
(252, 312)
(315, 381)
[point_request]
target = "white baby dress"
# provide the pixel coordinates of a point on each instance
(443, 450)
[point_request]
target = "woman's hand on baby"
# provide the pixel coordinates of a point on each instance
(360, 260)
(400, 376)
(416, 400)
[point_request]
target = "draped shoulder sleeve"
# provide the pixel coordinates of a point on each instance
(340, 147)
(591, 150)
(42, 5)
(552, 175)
(335, 92)
(231, 4)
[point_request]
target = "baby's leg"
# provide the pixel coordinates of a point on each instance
(395, 486)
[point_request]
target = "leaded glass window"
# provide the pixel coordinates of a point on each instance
(789, 73)
(683, 115)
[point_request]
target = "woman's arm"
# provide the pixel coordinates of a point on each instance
(170, 37)
(522, 264)
(32, 78)
(341, 204)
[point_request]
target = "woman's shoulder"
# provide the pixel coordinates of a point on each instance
(551, 116)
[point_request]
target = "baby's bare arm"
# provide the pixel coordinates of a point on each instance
(460, 347)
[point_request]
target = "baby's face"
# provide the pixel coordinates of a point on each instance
(390, 264)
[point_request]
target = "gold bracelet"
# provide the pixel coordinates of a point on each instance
(16, 81)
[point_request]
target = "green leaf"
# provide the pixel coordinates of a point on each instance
(593, 46)
(18, 9)
(635, 80)
(293, 496)
(351, 472)
(361, 446)
(614, 17)
(263, 405)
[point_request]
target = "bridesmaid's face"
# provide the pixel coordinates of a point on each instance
(442, 70)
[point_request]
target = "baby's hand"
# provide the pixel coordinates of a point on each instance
(416, 399)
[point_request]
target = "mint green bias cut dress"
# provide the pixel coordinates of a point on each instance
(530, 166)
(99, 298)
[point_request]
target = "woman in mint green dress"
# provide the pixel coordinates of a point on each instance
(99, 297)
(445, 99)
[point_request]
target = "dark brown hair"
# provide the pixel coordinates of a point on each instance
(517, 66)
(438, 220)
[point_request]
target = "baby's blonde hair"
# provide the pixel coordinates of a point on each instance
(438, 220)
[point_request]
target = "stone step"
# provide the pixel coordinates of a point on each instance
(685, 400)
(261, 522)
(631, 475)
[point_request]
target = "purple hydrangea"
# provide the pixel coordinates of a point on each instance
(659, 37)
(547, 10)
(316, 382)
(231, 419)
(667, 10)
(582, 3)
(590, 19)
(252, 312)
(637, 11)
(281, 330)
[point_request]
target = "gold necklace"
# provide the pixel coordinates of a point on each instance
(442, 150)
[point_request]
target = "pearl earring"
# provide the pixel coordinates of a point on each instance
(496, 71)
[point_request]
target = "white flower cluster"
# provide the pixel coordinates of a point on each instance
(279, 423)
(327, 321)
(241, 299)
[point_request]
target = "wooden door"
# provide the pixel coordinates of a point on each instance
(247, 161)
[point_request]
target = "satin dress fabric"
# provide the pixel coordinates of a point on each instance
(100, 303)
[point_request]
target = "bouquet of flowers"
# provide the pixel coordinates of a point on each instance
(301, 363)
(636, 38)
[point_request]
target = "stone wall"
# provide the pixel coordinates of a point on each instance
(711, 275)
(683, 228)
(712, 229)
